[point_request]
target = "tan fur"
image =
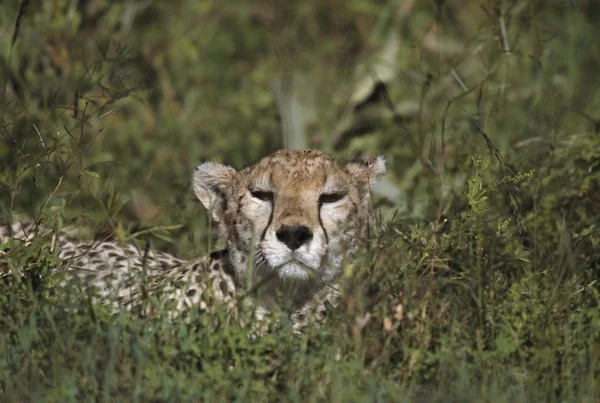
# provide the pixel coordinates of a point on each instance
(289, 222)
(296, 180)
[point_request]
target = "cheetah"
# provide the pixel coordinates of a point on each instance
(289, 221)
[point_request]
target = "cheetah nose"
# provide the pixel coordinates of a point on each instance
(294, 236)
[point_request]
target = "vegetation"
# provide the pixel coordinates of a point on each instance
(480, 282)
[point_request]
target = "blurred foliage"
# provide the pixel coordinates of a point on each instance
(481, 281)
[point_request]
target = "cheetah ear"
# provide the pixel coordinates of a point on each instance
(211, 183)
(367, 169)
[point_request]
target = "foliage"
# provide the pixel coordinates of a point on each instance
(480, 282)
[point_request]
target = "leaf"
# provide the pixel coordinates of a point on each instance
(91, 174)
(154, 230)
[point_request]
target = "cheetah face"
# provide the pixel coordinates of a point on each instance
(293, 214)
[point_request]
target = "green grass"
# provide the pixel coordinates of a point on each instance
(480, 280)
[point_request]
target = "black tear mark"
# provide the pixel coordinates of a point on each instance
(264, 232)
(321, 223)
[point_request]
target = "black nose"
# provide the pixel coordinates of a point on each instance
(294, 236)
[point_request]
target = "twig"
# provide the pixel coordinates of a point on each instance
(38, 221)
(52, 193)
(444, 116)
(15, 35)
(460, 82)
(441, 161)
(39, 134)
(503, 35)
(400, 122)
(103, 115)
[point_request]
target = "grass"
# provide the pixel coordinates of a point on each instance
(480, 280)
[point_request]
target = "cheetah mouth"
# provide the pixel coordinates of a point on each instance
(294, 261)
(287, 265)
(295, 269)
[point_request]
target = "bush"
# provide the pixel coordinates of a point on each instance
(480, 280)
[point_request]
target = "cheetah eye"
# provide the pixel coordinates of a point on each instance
(330, 197)
(262, 195)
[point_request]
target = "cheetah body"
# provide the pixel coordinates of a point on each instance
(289, 221)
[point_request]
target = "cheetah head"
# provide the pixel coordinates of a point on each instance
(294, 214)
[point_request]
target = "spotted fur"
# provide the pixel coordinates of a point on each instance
(290, 221)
